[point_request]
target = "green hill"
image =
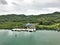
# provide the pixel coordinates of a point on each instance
(42, 21)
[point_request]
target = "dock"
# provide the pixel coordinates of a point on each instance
(28, 30)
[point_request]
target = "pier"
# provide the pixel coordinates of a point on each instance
(29, 28)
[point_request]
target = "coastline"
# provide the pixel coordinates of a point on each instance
(36, 30)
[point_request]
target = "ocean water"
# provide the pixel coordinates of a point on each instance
(8, 37)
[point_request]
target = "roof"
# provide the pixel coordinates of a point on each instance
(29, 24)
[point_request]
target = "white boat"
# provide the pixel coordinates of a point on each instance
(29, 30)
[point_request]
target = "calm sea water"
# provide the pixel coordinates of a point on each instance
(29, 38)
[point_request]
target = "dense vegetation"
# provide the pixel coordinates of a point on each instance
(43, 21)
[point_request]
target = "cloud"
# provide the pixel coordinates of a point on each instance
(3, 2)
(29, 6)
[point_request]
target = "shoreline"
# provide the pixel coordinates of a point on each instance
(36, 30)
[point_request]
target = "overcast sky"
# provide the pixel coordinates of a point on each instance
(29, 6)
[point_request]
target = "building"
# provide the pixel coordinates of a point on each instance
(29, 27)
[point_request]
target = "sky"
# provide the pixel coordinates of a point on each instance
(29, 7)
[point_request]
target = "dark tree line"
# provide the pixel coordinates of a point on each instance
(44, 19)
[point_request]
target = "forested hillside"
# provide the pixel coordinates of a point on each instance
(14, 20)
(42, 19)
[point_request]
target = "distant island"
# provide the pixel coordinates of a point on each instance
(49, 21)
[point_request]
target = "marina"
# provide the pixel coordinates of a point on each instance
(29, 28)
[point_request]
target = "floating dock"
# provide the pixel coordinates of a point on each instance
(28, 30)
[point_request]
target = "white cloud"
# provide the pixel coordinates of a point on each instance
(29, 6)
